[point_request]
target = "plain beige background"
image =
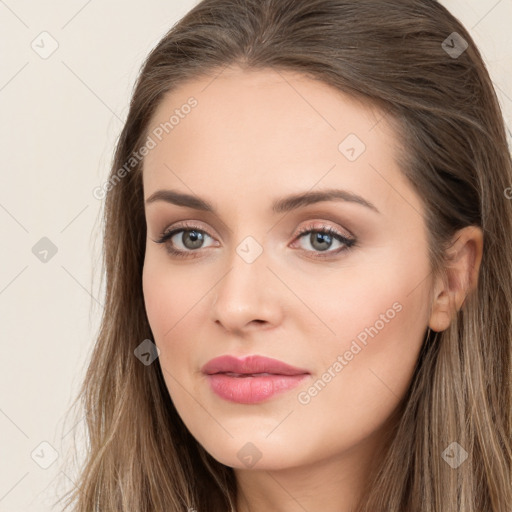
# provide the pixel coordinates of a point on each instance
(61, 114)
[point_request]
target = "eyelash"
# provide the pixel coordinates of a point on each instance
(324, 230)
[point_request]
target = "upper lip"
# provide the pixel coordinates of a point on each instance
(250, 365)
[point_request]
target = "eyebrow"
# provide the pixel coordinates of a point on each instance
(282, 205)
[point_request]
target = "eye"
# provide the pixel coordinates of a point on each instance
(321, 239)
(183, 240)
(186, 239)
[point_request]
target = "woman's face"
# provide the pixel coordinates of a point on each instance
(347, 309)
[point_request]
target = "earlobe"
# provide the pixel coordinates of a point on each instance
(440, 316)
(463, 264)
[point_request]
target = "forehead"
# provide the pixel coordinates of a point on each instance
(269, 130)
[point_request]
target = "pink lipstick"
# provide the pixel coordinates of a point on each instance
(252, 379)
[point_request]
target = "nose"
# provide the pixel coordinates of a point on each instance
(247, 297)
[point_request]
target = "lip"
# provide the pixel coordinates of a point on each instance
(252, 379)
(250, 365)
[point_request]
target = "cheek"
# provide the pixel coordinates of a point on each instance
(168, 294)
(379, 319)
(168, 302)
(175, 303)
(362, 380)
(157, 299)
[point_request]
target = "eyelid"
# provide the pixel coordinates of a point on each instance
(318, 225)
(186, 225)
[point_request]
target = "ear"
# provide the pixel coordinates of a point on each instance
(464, 258)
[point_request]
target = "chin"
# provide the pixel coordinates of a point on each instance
(252, 453)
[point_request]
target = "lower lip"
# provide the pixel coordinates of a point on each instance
(253, 389)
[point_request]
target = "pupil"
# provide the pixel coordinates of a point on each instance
(196, 239)
(321, 238)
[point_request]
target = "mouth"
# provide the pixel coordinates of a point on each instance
(231, 374)
(250, 365)
(251, 380)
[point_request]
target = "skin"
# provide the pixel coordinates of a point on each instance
(256, 136)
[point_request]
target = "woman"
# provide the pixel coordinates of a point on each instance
(307, 251)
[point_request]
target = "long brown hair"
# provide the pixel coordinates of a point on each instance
(404, 57)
